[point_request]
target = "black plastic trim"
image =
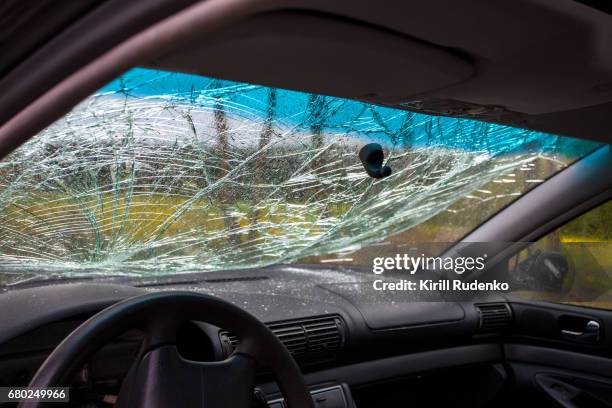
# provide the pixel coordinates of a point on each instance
(393, 367)
(551, 357)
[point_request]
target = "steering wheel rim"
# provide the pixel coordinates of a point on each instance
(159, 315)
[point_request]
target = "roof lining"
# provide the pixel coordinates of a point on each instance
(353, 59)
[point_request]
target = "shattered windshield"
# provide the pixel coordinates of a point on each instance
(161, 173)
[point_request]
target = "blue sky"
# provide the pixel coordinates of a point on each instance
(341, 116)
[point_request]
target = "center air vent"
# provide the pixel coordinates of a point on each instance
(494, 316)
(306, 338)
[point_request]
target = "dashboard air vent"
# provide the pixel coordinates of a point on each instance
(320, 336)
(494, 316)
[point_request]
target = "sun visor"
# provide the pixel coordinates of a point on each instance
(322, 54)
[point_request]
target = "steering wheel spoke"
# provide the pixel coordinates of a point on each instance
(163, 379)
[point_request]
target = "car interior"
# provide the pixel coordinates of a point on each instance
(256, 289)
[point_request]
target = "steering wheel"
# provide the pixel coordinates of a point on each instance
(160, 377)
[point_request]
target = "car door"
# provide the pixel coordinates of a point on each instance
(559, 350)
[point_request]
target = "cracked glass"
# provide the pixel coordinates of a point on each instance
(161, 173)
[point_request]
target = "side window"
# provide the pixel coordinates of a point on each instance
(572, 264)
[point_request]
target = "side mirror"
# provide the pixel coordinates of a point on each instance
(543, 271)
(551, 270)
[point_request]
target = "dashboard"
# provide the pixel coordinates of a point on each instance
(347, 339)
